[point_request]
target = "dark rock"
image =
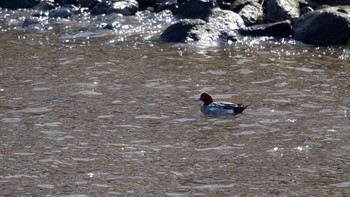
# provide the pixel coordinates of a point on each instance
(65, 2)
(200, 9)
(124, 7)
(278, 10)
(100, 8)
(182, 31)
(15, 4)
(277, 29)
(337, 2)
(306, 9)
(85, 3)
(219, 26)
(327, 26)
(60, 12)
(45, 6)
(250, 13)
(30, 22)
(167, 5)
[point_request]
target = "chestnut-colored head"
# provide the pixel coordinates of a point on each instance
(206, 98)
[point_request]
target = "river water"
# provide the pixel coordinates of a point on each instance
(92, 112)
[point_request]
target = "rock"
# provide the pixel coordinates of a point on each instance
(196, 9)
(100, 8)
(85, 3)
(166, 5)
(250, 13)
(15, 4)
(225, 20)
(30, 22)
(277, 29)
(217, 27)
(65, 2)
(337, 2)
(326, 26)
(182, 31)
(60, 12)
(124, 7)
(278, 10)
(45, 6)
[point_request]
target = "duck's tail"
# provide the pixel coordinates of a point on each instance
(240, 108)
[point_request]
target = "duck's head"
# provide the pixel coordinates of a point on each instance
(206, 98)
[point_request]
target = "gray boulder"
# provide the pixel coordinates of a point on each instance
(250, 13)
(124, 7)
(327, 26)
(279, 10)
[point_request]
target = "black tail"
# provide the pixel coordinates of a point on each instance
(239, 108)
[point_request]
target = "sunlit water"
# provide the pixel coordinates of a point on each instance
(92, 112)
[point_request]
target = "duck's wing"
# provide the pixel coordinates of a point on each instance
(237, 108)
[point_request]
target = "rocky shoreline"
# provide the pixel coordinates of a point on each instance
(315, 22)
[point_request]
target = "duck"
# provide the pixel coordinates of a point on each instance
(219, 108)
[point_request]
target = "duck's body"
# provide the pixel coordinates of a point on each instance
(219, 108)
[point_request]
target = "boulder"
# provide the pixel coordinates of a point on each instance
(225, 20)
(29, 22)
(124, 7)
(15, 4)
(100, 8)
(277, 29)
(45, 6)
(166, 5)
(65, 2)
(279, 10)
(60, 12)
(182, 31)
(326, 26)
(219, 26)
(196, 9)
(250, 13)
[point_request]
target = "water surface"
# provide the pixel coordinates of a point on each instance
(92, 112)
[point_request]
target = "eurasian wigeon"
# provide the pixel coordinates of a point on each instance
(219, 108)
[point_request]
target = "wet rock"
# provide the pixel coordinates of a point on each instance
(183, 31)
(278, 10)
(337, 2)
(100, 8)
(66, 2)
(167, 5)
(60, 12)
(237, 5)
(219, 26)
(225, 20)
(196, 9)
(124, 7)
(277, 29)
(250, 13)
(30, 22)
(85, 3)
(326, 26)
(45, 6)
(15, 4)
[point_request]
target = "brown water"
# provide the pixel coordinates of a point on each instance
(113, 113)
